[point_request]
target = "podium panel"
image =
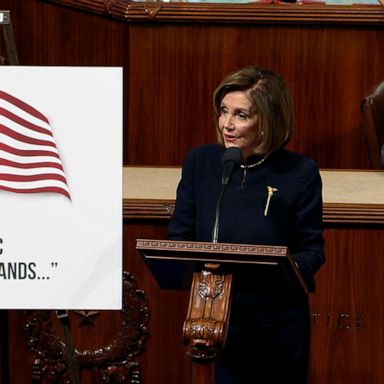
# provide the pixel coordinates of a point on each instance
(173, 263)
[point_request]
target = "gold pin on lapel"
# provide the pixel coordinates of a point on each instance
(271, 191)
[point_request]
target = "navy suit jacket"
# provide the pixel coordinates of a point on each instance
(293, 217)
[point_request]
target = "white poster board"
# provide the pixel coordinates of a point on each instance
(60, 187)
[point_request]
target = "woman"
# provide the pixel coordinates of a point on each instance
(275, 198)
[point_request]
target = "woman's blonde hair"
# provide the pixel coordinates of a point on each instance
(271, 100)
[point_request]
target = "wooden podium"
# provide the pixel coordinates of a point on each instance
(211, 271)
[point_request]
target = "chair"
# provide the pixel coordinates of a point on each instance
(372, 108)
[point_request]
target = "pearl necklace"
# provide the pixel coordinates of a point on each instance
(245, 166)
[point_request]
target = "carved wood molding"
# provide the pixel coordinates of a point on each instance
(140, 209)
(115, 363)
(312, 14)
(332, 213)
(224, 256)
(353, 213)
(212, 248)
(206, 325)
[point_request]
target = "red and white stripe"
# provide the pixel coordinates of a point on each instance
(29, 159)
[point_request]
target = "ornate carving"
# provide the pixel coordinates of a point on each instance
(205, 335)
(115, 363)
(210, 285)
(109, 4)
(201, 12)
(87, 317)
(207, 247)
(205, 328)
(152, 10)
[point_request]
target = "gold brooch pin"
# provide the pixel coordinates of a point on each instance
(271, 191)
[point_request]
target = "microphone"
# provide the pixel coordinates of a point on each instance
(232, 157)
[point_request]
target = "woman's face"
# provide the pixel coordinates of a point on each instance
(238, 123)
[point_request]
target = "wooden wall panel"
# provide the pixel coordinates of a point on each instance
(164, 360)
(174, 70)
(347, 309)
(3, 346)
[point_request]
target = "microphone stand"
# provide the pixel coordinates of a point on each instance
(232, 157)
(215, 232)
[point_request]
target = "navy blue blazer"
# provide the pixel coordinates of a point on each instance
(293, 217)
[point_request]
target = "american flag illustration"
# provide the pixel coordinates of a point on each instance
(29, 159)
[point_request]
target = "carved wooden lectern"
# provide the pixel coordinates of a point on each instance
(210, 270)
